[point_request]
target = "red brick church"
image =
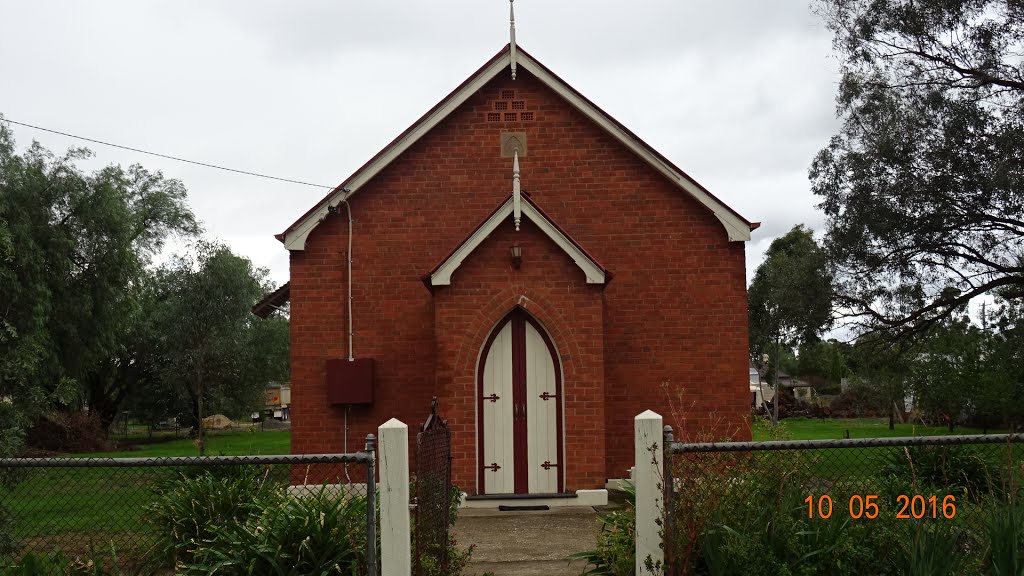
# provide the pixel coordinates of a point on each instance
(527, 259)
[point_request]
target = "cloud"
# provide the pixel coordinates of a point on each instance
(738, 94)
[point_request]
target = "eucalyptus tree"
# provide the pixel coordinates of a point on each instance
(213, 350)
(923, 186)
(790, 298)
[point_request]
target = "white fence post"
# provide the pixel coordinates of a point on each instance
(393, 461)
(648, 454)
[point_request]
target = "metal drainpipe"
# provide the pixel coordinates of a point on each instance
(348, 255)
(347, 479)
(348, 209)
(348, 278)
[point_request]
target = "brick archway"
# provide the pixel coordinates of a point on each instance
(535, 304)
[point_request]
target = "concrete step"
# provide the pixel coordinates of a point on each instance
(528, 568)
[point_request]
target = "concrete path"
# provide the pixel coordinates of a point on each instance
(527, 543)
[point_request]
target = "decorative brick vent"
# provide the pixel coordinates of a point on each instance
(504, 106)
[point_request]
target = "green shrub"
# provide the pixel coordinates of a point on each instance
(774, 537)
(189, 509)
(458, 558)
(959, 470)
(1004, 555)
(321, 533)
(932, 551)
(8, 543)
(615, 552)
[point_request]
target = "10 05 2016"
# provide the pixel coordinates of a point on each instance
(908, 506)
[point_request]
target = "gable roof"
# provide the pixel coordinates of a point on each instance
(294, 238)
(441, 275)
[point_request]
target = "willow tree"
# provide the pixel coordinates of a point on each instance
(74, 248)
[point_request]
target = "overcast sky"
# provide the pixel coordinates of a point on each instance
(738, 93)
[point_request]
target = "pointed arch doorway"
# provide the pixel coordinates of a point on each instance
(519, 410)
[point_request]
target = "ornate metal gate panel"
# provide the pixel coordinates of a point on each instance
(433, 492)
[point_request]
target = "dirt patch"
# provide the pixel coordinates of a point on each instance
(216, 422)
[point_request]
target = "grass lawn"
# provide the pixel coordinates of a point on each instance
(814, 429)
(234, 443)
(863, 463)
(83, 507)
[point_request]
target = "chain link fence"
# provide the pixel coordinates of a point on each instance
(148, 516)
(860, 506)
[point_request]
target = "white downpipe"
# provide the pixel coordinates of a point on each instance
(347, 479)
(348, 278)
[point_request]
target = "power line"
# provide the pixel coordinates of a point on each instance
(247, 173)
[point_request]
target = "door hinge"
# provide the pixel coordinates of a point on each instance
(492, 397)
(493, 467)
(548, 465)
(548, 396)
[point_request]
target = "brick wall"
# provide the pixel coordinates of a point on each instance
(671, 325)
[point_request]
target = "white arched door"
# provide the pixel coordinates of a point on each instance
(520, 410)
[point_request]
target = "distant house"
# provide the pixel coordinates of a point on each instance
(802, 390)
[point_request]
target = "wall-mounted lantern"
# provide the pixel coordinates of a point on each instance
(517, 256)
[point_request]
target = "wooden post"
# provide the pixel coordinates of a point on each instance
(648, 453)
(393, 460)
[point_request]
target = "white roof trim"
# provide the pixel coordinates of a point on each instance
(443, 275)
(736, 227)
(295, 239)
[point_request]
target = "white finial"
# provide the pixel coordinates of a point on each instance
(512, 31)
(516, 215)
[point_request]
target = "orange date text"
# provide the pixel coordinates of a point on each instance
(866, 506)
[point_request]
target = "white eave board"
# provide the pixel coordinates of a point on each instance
(442, 276)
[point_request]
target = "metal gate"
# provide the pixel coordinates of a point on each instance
(433, 492)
